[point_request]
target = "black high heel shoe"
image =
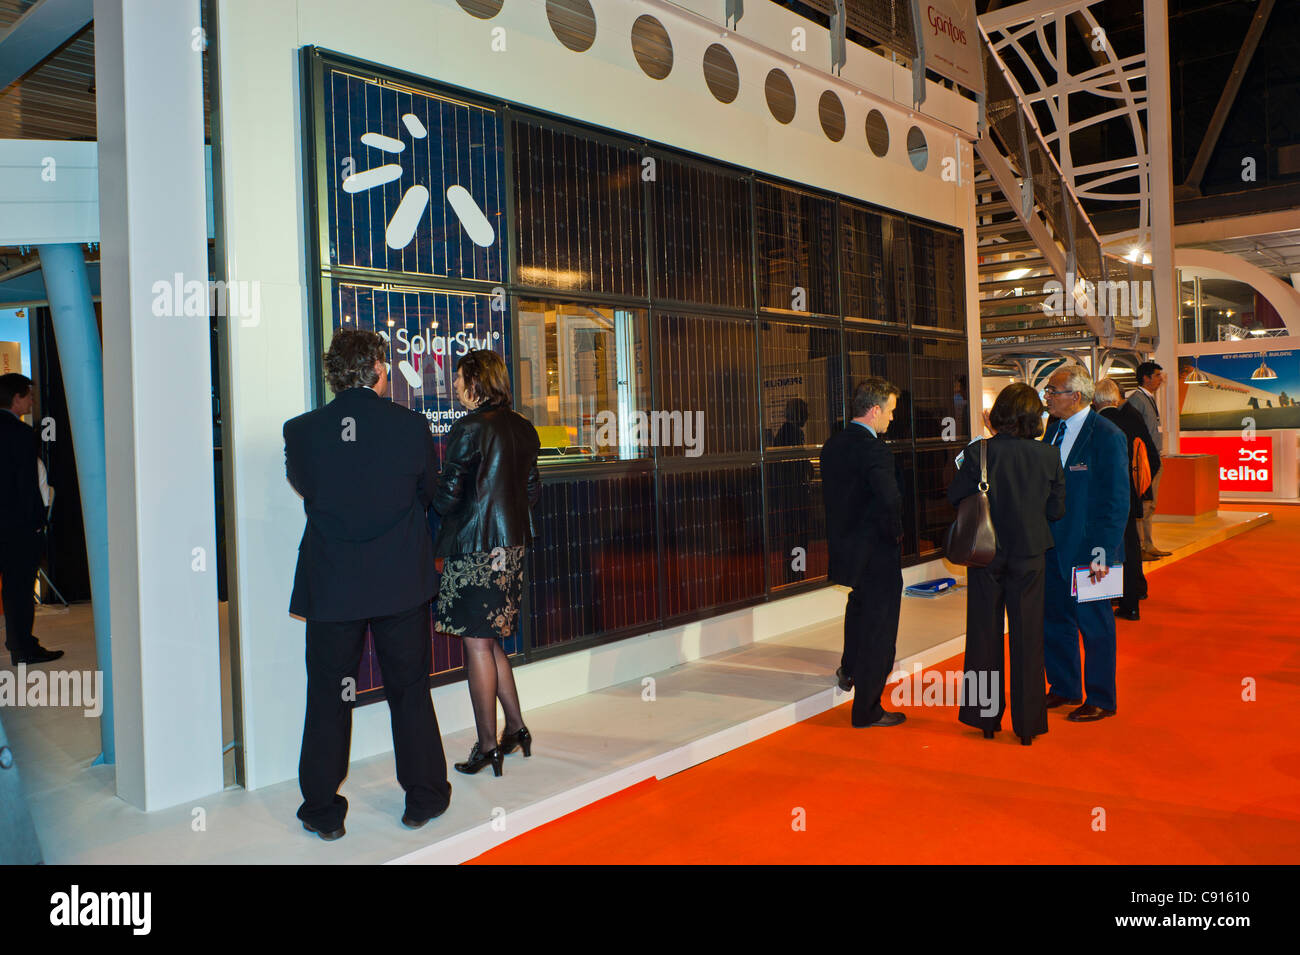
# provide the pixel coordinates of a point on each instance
(1026, 740)
(478, 759)
(988, 733)
(522, 738)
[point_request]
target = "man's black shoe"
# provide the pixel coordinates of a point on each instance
(35, 654)
(410, 822)
(888, 719)
(1089, 714)
(1054, 700)
(338, 833)
(843, 680)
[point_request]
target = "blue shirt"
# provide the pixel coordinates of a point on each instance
(1072, 425)
(867, 426)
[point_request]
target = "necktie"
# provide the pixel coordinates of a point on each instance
(1059, 438)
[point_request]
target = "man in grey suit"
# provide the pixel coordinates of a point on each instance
(1143, 400)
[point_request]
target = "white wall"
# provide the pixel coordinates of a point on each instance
(262, 199)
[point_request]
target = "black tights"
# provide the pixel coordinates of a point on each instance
(491, 679)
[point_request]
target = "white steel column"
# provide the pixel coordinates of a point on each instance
(1163, 276)
(158, 400)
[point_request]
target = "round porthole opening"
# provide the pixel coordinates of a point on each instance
(917, 150)
(720, 73)
(573, 22)
(877, 133)
(652, 47)
(831, 112)
(780, 96)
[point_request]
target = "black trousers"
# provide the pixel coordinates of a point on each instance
(18, 565)
(1135, 578)
(1013, 585)
(871, 632)
(402, 643)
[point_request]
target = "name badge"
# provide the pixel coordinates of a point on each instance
(1078, 467)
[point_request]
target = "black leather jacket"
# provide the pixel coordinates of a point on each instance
(488, 483)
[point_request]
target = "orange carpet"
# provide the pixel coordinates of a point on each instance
(1187, 773)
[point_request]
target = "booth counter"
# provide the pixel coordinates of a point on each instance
(1189, 487)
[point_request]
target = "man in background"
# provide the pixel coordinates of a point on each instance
(864, 522)
(1106, 400)
(1089, 537)
(22, 516)
(365, 468)
(1143, 400)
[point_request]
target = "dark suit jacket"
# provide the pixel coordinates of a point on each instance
(22, 512)
(1129, 420)
(864, 509)
(365, 468)
(1096, 496)
(1026, 491)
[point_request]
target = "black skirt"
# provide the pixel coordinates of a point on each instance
(481, 593)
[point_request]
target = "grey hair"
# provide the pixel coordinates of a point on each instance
(1106, 393)
(1079, 380)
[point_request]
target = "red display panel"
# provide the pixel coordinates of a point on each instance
(1243, 465)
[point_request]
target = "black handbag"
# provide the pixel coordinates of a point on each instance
(972, 542)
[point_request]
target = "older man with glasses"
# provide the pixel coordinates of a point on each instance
(1089, 536)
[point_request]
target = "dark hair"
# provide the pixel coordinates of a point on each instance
(869, 393)
(1146, 370)
(13, 385)
(1017, 411)
(486, 377)
(350, 361)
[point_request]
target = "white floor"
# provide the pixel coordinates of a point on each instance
(586, 748)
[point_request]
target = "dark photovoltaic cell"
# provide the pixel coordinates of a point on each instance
(461, 146)
(707, 365)
(579, 212)
(938, 283)
(882, 355)
(796, 249)
(796, 521)
(935, 469)
(594, 566)
(900, 259)
(940, 389)
(801, 381)
(862, 266)
(713, 538)
(702, 234)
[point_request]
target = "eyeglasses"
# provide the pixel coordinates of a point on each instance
(1050, 392)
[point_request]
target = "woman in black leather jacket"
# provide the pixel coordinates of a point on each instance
(486, 489)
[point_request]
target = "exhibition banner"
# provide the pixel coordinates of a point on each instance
(1259, 390)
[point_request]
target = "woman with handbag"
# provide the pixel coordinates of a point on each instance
(1025, 488)
(486, 489)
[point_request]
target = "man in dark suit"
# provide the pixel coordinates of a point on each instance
(22, 516)
(365, 468)
(864, 523)
(1090, 535)
(1106, 400)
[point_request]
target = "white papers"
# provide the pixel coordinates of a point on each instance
(1085, 591)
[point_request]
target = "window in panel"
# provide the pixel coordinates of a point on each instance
(935, 469)
(796, 521)
(583, 379)
(862, 265)
(703, 234)
(707, 378)
(580, 219)
(796, 250)
(801, 382)
(938, 279)
(882, 355)
(941, 390)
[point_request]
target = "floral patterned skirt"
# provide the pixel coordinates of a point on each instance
(481, 593)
